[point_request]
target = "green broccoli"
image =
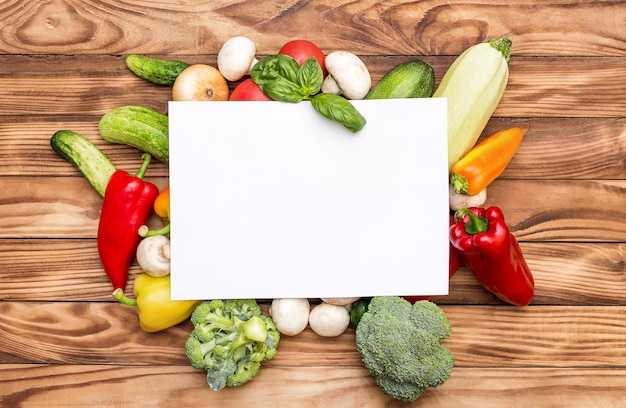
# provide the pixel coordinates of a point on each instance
(229, 340)
(400, 345)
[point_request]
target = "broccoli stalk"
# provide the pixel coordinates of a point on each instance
(230, 339)
(400, 346)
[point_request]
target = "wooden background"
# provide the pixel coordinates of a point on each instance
(63, 342)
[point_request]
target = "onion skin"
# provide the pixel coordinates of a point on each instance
(200, 82)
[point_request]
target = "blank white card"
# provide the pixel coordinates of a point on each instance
(271, 200)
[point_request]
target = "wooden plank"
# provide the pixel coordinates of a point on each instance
(25, 147)
(368, 27)
(483, 336)
(71, 209)
(555, 148)
(566, 148)
(557, 210)
(567, 87)
(565, 274)
(107, 385)
(562, 210)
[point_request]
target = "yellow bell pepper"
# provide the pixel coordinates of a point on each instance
(155, 308)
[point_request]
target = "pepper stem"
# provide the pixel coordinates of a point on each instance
(144, 231)
(118, 294)
(144, 167)
(459, 183)
(475, 224)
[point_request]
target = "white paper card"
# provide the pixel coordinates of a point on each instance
(271, 200)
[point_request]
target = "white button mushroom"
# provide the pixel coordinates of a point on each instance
(291, 315)
(236, 58)
(460, 200)
(329, 320)
(340, 301)
(153, 255)
(347, 75)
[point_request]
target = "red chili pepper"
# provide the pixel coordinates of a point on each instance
(454, 263)
(493, 254)
(126, 206)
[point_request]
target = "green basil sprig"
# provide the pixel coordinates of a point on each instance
(282, 79)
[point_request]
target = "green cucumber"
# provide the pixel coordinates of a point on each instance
(410, 79)
(85, 156)
(157, 71)
(139, 127)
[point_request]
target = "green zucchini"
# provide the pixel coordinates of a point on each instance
(157, 71)
(85, 156)
(139, 127)
(410, 79)
(474, 85)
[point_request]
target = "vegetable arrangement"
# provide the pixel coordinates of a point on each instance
(399, 338)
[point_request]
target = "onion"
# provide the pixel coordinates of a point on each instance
(200, 82)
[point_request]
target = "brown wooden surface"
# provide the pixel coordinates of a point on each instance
(63, 342)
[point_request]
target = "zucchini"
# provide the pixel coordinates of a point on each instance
(139, 127)
(157, 71)
(474, 85)
(410, 79)
(85, 156)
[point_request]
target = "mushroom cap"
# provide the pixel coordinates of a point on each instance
(235, 57)
(350, 73)
(330, 86)
(153, 255)
(290, 315)
(340, 301)
(328, 320)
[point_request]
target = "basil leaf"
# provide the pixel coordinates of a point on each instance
(310, 77)
(273, 67)
(280, 89)
(339, 109)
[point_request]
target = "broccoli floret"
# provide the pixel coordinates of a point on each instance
(229, 340)
(406, 392)
(400, 345)
(428, 316)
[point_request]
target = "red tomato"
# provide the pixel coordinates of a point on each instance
(247, 90)
(301, 50)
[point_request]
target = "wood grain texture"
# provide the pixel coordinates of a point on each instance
(483, 336)
(108, 385)
(593, 28)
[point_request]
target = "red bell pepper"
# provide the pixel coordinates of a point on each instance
(127, 204)
(454, 263)
(493, 254)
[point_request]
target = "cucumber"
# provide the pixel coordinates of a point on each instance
(474, 85)
(85, 156)
(139, 127)
(157, 71)
(410, 79)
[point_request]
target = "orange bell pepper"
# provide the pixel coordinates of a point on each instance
(485, 161)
